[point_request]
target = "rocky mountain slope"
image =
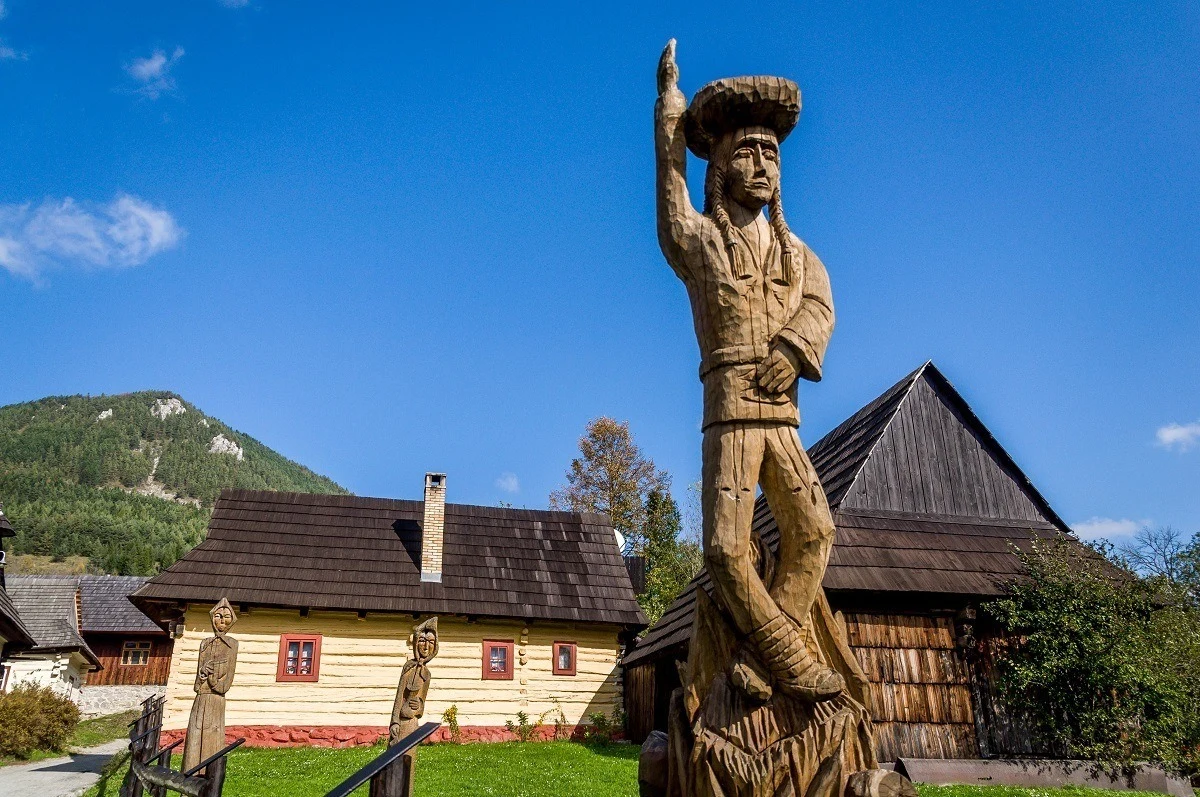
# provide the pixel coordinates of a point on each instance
(127, 481)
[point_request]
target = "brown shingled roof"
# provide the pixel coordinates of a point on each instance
(925, 500)
(351, 553)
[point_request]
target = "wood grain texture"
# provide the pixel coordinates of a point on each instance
(108, 649)
(772, 702)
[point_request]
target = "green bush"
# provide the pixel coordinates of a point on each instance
(523, 728)
(35, 718)
(1101, 663)
(450, 717)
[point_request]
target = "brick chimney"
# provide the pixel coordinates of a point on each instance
(433, 528)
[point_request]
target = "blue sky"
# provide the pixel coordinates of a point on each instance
(385, 240)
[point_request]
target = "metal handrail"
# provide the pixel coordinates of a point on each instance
(158, 756)
(214, 757)
(144, 734)
(384, 759)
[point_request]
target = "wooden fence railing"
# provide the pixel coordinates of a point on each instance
(150, 770)
(150, 767)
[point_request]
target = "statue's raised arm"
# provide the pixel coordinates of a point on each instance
(677, 219)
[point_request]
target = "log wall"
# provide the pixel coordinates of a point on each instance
(920, 684)
(107, 648)
(361, 661)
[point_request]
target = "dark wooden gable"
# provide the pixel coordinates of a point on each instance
(933, 457)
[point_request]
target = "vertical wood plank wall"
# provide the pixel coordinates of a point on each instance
(361, 662)
(919, 683)
(640, 701)
(107, 648)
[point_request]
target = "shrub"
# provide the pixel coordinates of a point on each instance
(560, 720)
(1097, 664)
(601, 729)
(35, 718)
(523, 728)
(450, 717)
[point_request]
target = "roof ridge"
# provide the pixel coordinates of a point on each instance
(989, 440)
(904, 386)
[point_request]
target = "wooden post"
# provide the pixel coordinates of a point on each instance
(393, 780)
(215, 774)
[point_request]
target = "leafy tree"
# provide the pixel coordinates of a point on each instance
(1098, 665)
(612, 476)
(671, 560)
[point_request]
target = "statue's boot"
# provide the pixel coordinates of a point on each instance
(795, 670)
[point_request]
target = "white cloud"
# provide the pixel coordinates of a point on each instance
(127, 231)
(509, 483)
(6, 52)
(153, 73)
(1179, 437)
(1103, 527)
(235, 3)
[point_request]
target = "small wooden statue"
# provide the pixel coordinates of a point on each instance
(214, 676)
(409, 708)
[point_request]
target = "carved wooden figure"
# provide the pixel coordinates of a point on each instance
(214, 676)
(408, 709)
(773, 703)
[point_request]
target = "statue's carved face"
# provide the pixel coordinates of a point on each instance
(426, 645)
(221, 620)
(753, 168)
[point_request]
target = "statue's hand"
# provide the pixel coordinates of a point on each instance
(668, 70)
(779, 370)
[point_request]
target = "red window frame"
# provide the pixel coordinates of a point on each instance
(488, 646)
(281, 674)
(554, 650)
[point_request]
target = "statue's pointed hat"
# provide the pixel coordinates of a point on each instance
(732, 103)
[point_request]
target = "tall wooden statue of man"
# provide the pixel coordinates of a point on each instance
(773, 702)
(214, 676)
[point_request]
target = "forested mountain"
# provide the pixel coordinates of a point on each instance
(127, 481)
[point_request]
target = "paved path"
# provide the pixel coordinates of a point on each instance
(58, 777)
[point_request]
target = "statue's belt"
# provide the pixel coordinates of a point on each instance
(743, 354)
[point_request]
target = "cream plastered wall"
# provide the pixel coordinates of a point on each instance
(361, 661)
(64, 672)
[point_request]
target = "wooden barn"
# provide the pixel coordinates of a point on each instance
(535, 609)
(928, 508)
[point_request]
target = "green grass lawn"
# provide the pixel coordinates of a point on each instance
(508, 769)
(511, 769)
(88, 733)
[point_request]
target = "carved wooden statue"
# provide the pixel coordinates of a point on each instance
(214, 676)
(773, 703)
(409, 707)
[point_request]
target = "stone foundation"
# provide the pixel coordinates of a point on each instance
(359, 735)
(97, 701)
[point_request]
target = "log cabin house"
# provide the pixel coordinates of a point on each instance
(535, 609)
(928, 508)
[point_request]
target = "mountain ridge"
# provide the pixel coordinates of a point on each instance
(127, 480)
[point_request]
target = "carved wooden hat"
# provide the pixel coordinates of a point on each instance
(732, 103)
(224, 604)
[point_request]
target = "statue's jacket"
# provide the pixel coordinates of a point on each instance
(738, 321)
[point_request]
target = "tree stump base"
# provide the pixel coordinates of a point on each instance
(733, 736)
